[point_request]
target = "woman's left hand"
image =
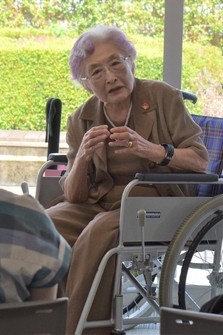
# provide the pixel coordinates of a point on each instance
(126, 140)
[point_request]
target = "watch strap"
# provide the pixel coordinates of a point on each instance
(169, 152)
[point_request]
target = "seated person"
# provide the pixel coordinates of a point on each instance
(128, 125)
(34, 257)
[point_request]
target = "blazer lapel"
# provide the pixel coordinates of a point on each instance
(144, 113)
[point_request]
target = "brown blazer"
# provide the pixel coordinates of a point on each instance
(159, 116)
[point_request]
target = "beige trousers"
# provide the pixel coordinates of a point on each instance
(92, 232)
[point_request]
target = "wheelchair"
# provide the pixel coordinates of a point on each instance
(179, 266)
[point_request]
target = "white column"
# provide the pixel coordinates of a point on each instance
(173, 39)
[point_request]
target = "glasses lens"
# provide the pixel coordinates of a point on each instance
(115, 65)
(97, 73)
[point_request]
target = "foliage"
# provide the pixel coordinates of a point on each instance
(37, 35)
(203, 19)
(200, 63)
(29, 78)
(33, 70)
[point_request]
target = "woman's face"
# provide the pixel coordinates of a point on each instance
(109, 75)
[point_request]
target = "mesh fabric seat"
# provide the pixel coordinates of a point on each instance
(212, 135)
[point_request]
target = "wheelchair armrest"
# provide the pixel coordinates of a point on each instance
(178, 177)
(57, 158)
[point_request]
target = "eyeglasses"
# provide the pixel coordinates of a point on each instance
(115, 65)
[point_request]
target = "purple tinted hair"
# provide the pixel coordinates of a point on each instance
(85, 45)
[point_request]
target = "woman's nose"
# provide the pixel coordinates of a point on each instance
(110, 76)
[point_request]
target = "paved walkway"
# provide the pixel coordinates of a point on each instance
(26, 136)
(22, 153)
(18, 189)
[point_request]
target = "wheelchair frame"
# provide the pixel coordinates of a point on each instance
(145, 248)
(158, 244)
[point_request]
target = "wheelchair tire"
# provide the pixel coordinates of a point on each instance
(188, 241)
(192, 252)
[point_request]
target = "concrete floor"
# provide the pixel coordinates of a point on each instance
(152, 329)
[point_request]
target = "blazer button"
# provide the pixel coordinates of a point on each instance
(152, 165)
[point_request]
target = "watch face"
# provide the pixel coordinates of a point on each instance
(170, 151)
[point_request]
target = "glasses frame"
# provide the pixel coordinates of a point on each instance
(106, 66)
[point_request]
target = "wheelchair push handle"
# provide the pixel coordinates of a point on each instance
(53, 121)
(189, 96)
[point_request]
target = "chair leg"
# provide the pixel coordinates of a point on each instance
(118, 330)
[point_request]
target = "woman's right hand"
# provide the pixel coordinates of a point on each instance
(93, 139)
(76, 182)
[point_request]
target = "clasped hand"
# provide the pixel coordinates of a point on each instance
(123, 139)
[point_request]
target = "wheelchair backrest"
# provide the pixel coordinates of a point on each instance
(212, 135)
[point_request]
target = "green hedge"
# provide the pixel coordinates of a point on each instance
(28, 79)
(32, 72)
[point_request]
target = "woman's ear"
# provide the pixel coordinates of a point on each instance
(89, 89)
(85, 85)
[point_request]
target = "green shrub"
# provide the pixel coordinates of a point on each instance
(35, 69)
(29, 78)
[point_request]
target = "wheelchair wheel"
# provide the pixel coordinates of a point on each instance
(192, 270)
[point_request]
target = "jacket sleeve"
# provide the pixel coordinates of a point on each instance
(177, 124)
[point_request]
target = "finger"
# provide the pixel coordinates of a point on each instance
(97, 134)
(121, 137)
(121, 144)
(120, 129)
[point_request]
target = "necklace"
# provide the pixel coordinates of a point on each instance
(127, 118)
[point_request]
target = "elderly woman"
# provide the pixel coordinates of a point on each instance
(127, 126)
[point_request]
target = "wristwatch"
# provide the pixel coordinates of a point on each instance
(169, 152)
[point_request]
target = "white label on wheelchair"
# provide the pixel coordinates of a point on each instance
(153, 215)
